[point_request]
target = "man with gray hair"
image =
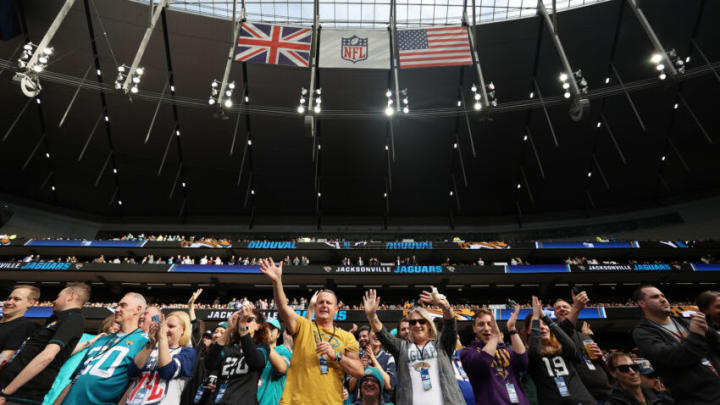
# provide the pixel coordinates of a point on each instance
(102, 376)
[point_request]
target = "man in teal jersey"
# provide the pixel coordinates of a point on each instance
(272, 379)
(102, 376)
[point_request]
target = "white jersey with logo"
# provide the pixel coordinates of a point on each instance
(424, 359)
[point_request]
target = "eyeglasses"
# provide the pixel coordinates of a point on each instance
(625, 368)
(413, 322)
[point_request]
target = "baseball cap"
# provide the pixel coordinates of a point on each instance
(372, 372)
(208, 333)
(274, 322)
(223, 325)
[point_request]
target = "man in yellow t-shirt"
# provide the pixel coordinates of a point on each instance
(322, 352)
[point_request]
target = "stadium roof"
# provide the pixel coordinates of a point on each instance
(364, 13)
(674, 158)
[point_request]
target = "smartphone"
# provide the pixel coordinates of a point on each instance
(156, 318)
(511, 303)
(577, 290)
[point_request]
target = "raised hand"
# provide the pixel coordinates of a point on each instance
(512, 322)
(371, 302)
(434, 298)
(195, 296)
(313, 301)
(537, 308)
(580, 300)
(270, 269)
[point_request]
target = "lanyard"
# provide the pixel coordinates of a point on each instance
(677, 335)
(421, 352)
(320, 336)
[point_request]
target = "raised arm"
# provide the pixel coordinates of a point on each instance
(311, 306)
(371, 302)
(517, 344)
(579, 303)
(191, 303)
(448, 336)
(568, 346)
(274, 273)
(535, 344)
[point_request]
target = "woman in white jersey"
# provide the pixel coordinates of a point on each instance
(424, 362)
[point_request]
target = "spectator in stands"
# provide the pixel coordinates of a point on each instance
(14, 327)
(552, 358)
(62, 380)
(296, 261)
(650, 381)
(272, 379)
(363, 337)
(164, 366)
(145, 320)
(465, 338)
(685, 356)
(424, 363)
(201, 341)
(30, 374)
(709, 303)
(320, 361)
(494, 370)
(372, 388)
(372, 355)
(403, 329)
(102, 377)
(590, 367)
(237, 358)
(628, 389)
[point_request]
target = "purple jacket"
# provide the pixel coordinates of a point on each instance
(489, 376)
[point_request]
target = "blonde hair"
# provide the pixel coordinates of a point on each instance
(33, 292)
(184, 319)
(431, 325)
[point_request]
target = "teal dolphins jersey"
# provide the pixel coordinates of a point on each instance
(102, 377)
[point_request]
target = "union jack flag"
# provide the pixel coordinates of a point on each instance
(274, 44)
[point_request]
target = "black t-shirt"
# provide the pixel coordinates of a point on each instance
(596, 381)
(63, 329)
(239, 368)
(14, 332)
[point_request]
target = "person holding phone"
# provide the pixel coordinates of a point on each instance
(425, 373)
(238, 359)
(552, 358)
(165, 365)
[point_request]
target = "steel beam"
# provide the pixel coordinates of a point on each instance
(476, 60)
(90, 137)
(157, 110)
(616, 74)
(49, 34)
(72, 101)
(310, 116)
(694, 117)
(545, 111)
(393, 53)
(606, 124)
(17, 118)
(535, 152)
(601, 171)
(467, 123)
(231, 53)
(659, 48)
(706, 60)
(579, 103)
(156, 12)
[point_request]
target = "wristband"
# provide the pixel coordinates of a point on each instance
(513, 332)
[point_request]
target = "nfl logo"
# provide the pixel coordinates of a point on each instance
(354, 49)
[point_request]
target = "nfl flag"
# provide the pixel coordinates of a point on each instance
(432, 47)
(274, 44)
(354, 49)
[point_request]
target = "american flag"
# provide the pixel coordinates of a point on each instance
(274, 44)
(432, 47)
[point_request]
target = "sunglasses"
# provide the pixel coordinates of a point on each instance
(625, 368)
(413, 322)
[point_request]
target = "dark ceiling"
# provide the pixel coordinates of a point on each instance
(352, 160)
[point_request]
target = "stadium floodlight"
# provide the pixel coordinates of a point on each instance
(389, 111)
(598, 125)
(477, 106)
(563, 77)
(656, 58)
